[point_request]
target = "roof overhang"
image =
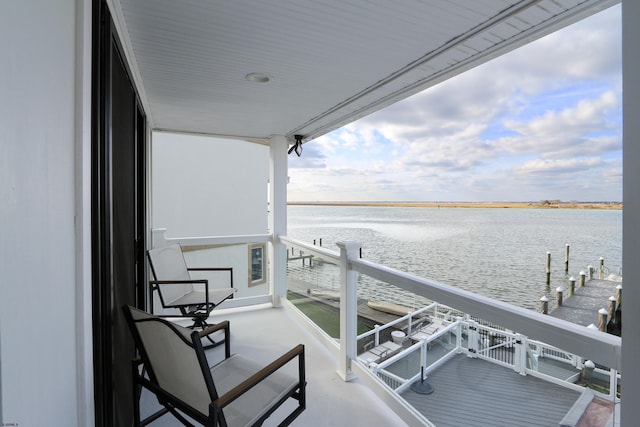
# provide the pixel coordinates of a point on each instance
(328, 63)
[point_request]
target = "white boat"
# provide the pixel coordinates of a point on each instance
(389, 307)
(325, 293)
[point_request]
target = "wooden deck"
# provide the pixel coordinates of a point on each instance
(582, 307)
(490, 395)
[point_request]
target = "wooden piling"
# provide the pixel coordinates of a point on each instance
(572, 285)
(619, 294)
(590, 270)
(602, 320)
(544, 305)
(587, 371)
(612, 307)
(582, 279)
(559, 292)
(548, 268)
(566, 258)
(601, 273)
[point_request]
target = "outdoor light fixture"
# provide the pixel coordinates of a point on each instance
(297, 147)
(257, 77)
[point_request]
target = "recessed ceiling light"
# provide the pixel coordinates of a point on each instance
(257, 77)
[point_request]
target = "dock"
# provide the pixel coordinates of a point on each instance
(586, 303)
(328, 298)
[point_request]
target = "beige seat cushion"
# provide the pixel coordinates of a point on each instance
(253, 404)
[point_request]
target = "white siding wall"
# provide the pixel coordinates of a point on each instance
(41, 114)
(199, 190)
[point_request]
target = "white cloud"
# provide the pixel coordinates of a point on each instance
(520, 127)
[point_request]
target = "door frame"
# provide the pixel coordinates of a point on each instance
(104, 43)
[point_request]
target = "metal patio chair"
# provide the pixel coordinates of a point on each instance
(194, 298)
(234, 392)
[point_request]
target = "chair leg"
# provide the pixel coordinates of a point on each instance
(137, 391)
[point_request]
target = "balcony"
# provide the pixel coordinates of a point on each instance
(489, 363)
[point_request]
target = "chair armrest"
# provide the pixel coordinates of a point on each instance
(255, 379)
(213, 328)
(177, 282)
(224, 325)
(229, 269)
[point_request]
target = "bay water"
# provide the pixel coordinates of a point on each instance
(496, 252)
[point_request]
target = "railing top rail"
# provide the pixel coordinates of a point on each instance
(493, 330)
(162, 239)
(595, 345)
(325, 253)
(398, 320)
(416, 346)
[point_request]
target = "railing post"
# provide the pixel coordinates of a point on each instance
(348, 308)
(376, 335)
(520, 359)
(474, 338)
(613, 384)
(410, 324)
(423, 355)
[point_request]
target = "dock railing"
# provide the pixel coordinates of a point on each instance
(508, 346)
(510, 350)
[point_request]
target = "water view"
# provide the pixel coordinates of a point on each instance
(499, 253)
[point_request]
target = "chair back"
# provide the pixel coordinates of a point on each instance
(171, 358)
(168, 263)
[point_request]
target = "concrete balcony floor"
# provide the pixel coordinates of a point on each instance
(263, 333)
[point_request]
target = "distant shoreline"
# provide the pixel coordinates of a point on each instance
(494, 205)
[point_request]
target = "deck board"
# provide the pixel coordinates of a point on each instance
(487, 394)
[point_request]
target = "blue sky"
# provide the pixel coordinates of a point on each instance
(542, 122)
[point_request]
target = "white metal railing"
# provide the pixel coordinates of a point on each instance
(543, 350)
(496, 346)
(410, 320)
(424, 364)
(159, 239)
(602, 348)
(472, 321)
(230, 251)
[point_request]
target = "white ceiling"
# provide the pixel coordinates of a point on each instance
(330, 61)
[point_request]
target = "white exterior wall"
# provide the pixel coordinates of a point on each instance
(631, 213)
(198, 189)
(44, 200)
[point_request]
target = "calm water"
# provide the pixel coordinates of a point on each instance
(499, 253)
